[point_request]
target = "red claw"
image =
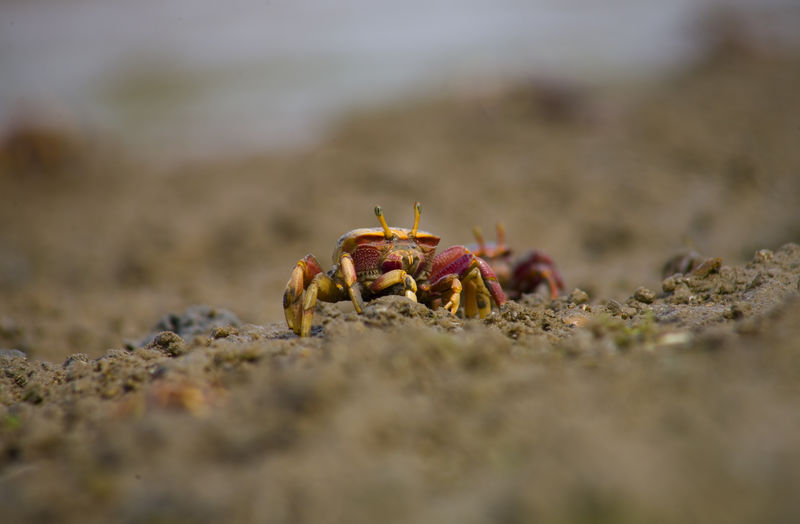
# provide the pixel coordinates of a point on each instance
(459, 260)
(491, 281)
(454, 260)
(533, 269)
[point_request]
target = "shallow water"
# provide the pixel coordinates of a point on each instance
(183, 76)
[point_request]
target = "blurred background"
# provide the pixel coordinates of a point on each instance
(160, 154)
(183, 78)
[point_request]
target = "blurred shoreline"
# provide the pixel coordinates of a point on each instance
(181, 81)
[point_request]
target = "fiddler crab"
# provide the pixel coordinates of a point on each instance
(521, 275)
(371, 262)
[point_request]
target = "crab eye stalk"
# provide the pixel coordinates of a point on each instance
(387, 233)
(479, 237)
(417, 213)
(501, 235)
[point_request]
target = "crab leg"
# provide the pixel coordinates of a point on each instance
(454, 298)
(477, 297)
(469, 295)
(394, 277)
(351, 281)
(305, 270)
(324, 288)
(547, 274)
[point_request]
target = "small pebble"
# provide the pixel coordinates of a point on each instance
(169, 343)
(642, 294)
(681, 294)
(614, 307)
(669, 283)
(224, 331)
(628, 312)
(708, 266)
(763, 255)
(578, 296)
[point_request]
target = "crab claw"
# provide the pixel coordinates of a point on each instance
(533, 269)
(393, 278)
(456, 269)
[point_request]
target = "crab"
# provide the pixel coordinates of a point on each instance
(371, 262)
(521, 275)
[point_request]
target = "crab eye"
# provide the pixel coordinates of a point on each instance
(417, 213)
(387, 233)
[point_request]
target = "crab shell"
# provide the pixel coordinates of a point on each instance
(374, 254)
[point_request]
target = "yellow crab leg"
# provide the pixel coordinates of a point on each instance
(322, 287)
(301, 276)
(387, 233)
(455, 296)
(351, 281)
(292, 303)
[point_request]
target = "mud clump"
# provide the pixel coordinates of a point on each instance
(196, 320)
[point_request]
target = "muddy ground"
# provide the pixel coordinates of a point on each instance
(148, 376)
